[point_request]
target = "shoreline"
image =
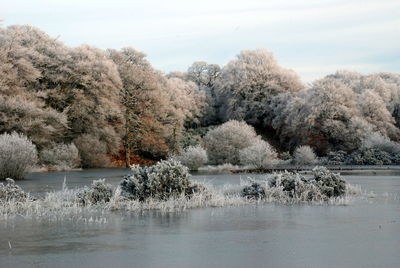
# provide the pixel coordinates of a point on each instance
(353, 168)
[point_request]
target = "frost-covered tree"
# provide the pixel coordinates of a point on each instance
(378, 96)
(304, 155)
(193, 157)
(380, 142)
(325, 116)
(81, 83)
(16, 68)
(250, 81)
(205, 76)
(29, 117)
(92, 151)
(224, 142)
(259, 155)
(17, 155)
(60, 156)
(186, 100)
(140, 99)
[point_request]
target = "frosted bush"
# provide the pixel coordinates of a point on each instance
(164, 180)
(17, 155)
(78, 204)
(12, 192)
(224, 142)
(259, 155)
(287, 181)
(329, 183)
(396, 159)
(286, 156)
(370, 156)
(337, 158)
(193, 157)
(380, 142)
(64, 156)
(99, 192)
(304, 155)
(323, 185)
(254, 191)
(293, 188)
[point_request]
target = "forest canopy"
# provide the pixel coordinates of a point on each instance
(114, 107)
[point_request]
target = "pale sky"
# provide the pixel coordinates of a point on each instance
(314, 37)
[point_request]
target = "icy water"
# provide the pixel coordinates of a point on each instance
(365, 233)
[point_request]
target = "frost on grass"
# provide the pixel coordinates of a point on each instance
(167, 187)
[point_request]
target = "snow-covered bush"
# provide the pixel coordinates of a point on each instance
(286, 156)
(329, 183)
(259, 155)
(17, 155)
(193, 157)
(254, 191)
(12, 192)
(64, 156)
(370, 156)
(224, 142)
(396, 159)
(99, 192)
(164, 180)
(304, 155)
(382, 143)
(286, 180)
(323, 185)
(337, 158)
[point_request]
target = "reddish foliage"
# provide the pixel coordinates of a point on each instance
(119, 160)
(319, 143)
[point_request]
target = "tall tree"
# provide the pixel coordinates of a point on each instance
(250, 81)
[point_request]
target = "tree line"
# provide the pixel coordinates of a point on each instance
(115, 107)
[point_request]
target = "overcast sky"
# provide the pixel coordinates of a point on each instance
(313, 37)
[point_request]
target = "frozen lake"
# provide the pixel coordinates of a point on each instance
(362, 234)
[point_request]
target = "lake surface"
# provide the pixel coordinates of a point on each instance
(365, 233)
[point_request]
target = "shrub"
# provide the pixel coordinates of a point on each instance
(17, 155)
(92, 151)
(289, 182)
(396, 159)
(99, 192)
(166, 179)
(64, 156)
(254, 191)
(304, 155)
(12, 192)
(285, 156)
(330, 184)
(323, 184)
(224, 142)
(370, 156)
(193, 136)
(382, 143)
(337, 158)
(193, 157)
(259, 155)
